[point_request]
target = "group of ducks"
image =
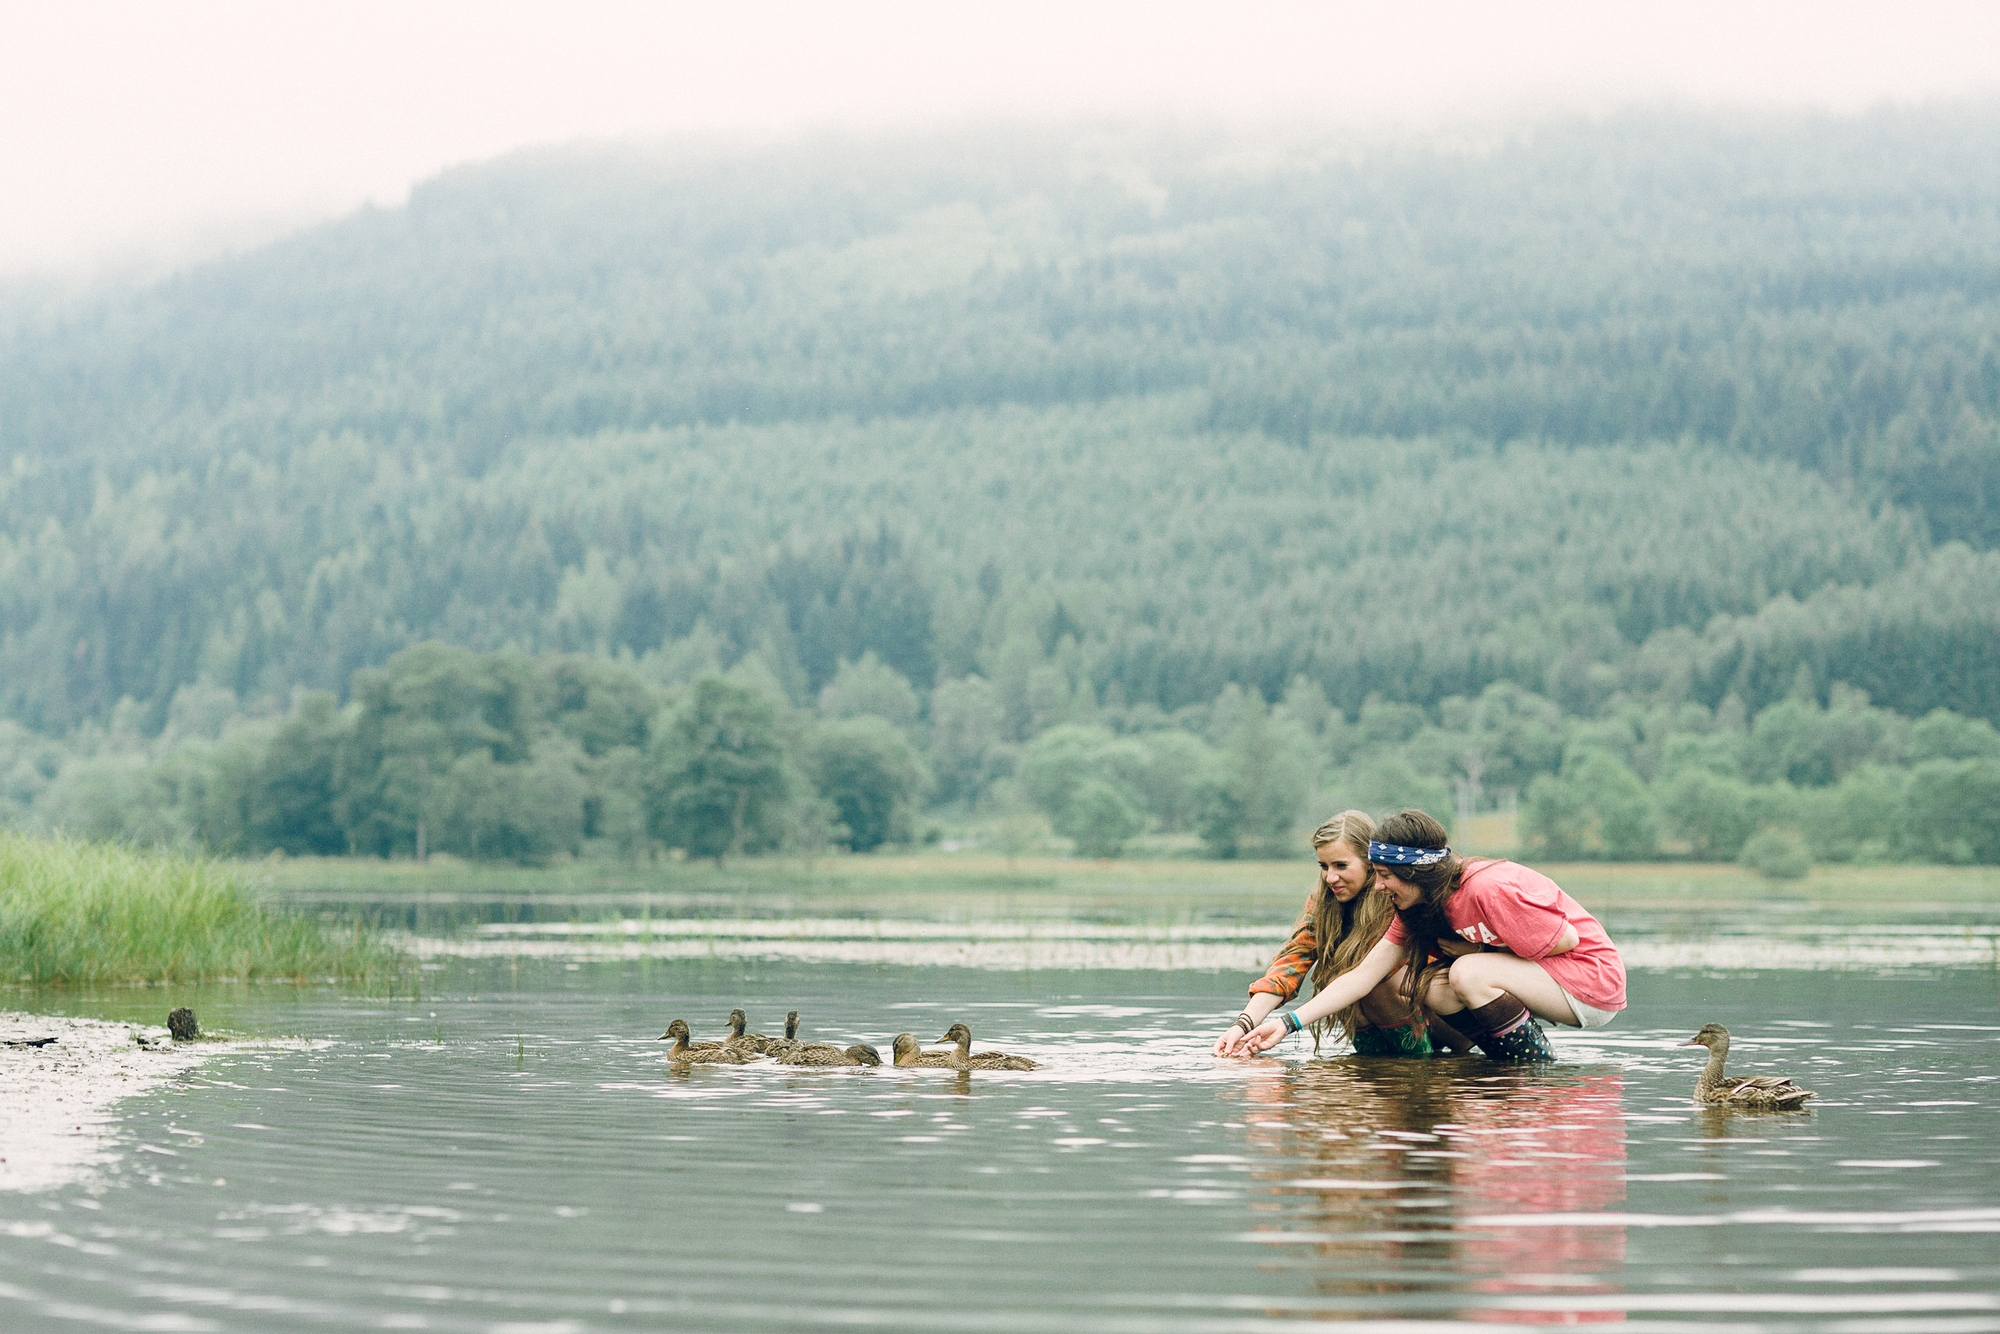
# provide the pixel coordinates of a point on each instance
(1714, 1088)
(740, 1048)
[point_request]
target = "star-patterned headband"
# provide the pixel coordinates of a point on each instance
(1395, 854)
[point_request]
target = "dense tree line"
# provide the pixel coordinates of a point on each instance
(500, 756)
(1064, 430)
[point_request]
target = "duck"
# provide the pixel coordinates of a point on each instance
(1715, 1089)
(963, 1059)
(684, 1035)
(826, 1054)
(780, 1047)
(910, 1053)
(756, 1044)
(684, 1052)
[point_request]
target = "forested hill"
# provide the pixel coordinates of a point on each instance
(1659, 406)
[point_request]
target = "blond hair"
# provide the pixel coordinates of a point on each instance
(1345, 932)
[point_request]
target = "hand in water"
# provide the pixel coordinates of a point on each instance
(1260, 1039)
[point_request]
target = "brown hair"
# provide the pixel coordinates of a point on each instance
(1345, 931)
(1426, 928)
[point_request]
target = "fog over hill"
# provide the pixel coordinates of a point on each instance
(1661, 407)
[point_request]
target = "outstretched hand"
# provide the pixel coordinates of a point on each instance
(1259, 1039)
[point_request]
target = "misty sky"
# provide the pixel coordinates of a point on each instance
(138, 131)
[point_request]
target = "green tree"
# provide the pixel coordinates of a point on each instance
(1175, 776)
(1099, 819)
(526, 812)
(428, 707)
(1949, 812)
(294, 789)
(871, 774)
(598, 704)
(1777, 854)
(1944, 735)
(1713, 812)
(716, 781)
(1259, 784)
(1385, 783)
(1060, 760)
(869, 686)
(1857, 818)
(118, 797)
(968, 737)
(1807, 746)
(1596, 806)
(614, 805)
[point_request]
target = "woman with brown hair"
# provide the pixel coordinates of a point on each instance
(1343, 920)
(1539, 953)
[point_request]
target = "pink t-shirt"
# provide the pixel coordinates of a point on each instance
(1522, 911)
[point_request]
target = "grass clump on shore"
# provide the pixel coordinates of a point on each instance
(74, 912)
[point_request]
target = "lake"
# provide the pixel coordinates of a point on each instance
(508, 1151)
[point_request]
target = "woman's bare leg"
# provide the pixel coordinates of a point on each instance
(1478, 979)
(1386, 1006)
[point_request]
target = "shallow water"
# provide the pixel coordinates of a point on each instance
(511, 1153)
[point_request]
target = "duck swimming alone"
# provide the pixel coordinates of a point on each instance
(684, 1052)
(910, 1053)
(1715, 1089)
(963, 1059)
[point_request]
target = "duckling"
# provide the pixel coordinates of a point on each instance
(909, 1053)
(963, 1059)
(684, 1052)
(825, 1053)
(1770, 1092)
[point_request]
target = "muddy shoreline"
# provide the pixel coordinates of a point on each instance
(58, 1103)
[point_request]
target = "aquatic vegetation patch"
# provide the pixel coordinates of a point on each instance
(73, 912)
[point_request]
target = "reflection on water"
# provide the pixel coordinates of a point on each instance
(512, 1153)
(1403, 1160)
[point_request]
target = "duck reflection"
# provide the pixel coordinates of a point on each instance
(1443, 1183)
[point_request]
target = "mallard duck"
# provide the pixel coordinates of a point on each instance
(963, 1059)
(910, 1053)
(781, 1047)
(754, 1043)
(825, 1053)
(1772, 1092)
(684, 1052)
(685, 1033)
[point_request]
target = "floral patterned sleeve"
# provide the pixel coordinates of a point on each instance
(1289, 968)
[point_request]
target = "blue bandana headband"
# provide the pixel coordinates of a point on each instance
(1395, 854)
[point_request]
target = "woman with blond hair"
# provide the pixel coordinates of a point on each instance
(1343, 920)
(1536, 954)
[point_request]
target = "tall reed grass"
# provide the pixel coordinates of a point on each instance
(75, 913)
